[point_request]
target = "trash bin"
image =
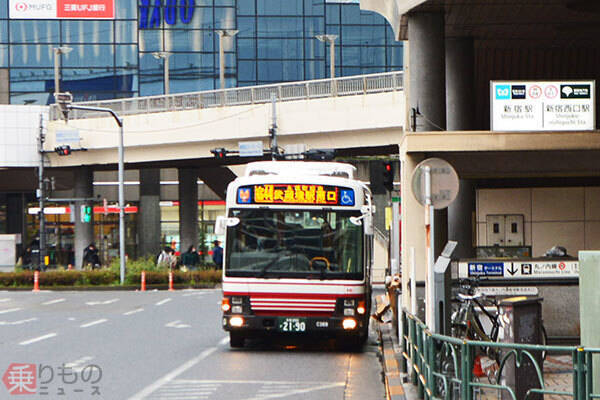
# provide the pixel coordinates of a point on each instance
(521, 322)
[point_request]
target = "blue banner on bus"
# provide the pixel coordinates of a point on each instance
(296, 194)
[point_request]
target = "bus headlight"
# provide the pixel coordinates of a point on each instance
(236, 321)
(347, 323)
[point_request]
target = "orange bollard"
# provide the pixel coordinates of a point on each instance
(143, 279)
(36, 281)
(171, 281)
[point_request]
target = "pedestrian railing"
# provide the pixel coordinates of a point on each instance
(442, 366)
(314, 89)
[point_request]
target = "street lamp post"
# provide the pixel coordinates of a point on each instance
(165, 56)
(223, 33)
(58, 52)
(64, 101)
(331, 40)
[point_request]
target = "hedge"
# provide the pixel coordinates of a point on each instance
(107, 277)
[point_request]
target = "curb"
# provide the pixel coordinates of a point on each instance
(393, 378)
(132, 288)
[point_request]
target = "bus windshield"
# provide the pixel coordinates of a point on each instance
(312, 244)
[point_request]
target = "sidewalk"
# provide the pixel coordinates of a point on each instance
(557, 372)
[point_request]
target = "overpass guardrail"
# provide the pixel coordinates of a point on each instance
(442, 367)
(313, 89)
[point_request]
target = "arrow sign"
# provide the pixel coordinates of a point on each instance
(177, 324)
(512, 270)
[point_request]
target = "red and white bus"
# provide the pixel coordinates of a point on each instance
(298, 252)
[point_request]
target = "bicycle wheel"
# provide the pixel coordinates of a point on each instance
(544, 343)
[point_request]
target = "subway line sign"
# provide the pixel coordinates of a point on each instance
(537, 269)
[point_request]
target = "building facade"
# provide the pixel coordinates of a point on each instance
(117, 57)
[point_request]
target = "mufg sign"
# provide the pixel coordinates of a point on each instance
(153, 11)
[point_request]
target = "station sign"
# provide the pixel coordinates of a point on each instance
(62, 9)
(542, 106)
(537, 269)
(297, 194)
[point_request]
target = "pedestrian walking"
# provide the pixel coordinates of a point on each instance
(167, 258)
(217, 254)
(190, 259)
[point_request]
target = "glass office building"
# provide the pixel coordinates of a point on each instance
(114, 58)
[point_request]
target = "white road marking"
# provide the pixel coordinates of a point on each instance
(177, 324)
(194, 294)
(78, 365)
(98, 321)
(37, 339)
(137, 310)
(160, 303)
(23, 321)
(95, 303)
(172, 375)
(53, 302)
(4, 300)
(9, 310)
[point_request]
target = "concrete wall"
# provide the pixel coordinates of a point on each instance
(19, 131)
(565, 216)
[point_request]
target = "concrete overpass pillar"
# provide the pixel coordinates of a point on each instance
(460, 86)
(427, 86)
(16, 212)
(188, 208)
(148, 223)
(84, 231)
(460, 220)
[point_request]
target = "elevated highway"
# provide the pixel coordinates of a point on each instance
(352, 114)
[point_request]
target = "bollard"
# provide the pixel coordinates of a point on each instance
(171, 281)
(36, 281)
(143, 279)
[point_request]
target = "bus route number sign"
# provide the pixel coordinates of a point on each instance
(296, 194)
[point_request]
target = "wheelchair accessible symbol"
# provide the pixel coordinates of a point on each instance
(347, 198)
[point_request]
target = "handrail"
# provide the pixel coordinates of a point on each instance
(304, 90)
(449, 373)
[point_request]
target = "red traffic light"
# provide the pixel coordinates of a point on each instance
(63, 150)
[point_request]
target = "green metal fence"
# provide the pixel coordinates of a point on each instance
(442, 366)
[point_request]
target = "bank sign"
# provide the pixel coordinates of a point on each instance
(542, 106)
(62, 9)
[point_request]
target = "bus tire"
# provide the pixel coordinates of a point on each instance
(236, 340)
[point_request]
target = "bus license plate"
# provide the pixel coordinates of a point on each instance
(292, 324)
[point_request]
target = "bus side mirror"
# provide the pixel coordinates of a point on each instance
(222, 223)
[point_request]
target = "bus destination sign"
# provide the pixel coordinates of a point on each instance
(318, 195)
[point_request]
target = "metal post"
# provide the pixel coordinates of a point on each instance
(332, 58)
(56, 70)
(273, 131)
(166, 74)
(430, 232)
(221, 62)
(42, 195)
(122, 238)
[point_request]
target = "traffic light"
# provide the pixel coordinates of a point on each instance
(86, 213)
(388, 175)
(64, 150)
(219, 153)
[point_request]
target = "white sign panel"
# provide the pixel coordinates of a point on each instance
(61, 9)
(519, 269)
(251, 149)
(542, 106)
(32, 9)
(67, 137)
(508, 291)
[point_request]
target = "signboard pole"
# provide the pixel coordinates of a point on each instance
(430, 232)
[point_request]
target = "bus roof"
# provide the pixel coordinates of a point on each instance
(295, 168)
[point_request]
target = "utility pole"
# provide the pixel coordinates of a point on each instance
(273, 129)
(41, 195)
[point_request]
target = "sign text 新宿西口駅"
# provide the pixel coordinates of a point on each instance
(300, 194)
(151, 12)
(542, 105)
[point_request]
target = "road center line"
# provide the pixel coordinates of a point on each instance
(172, 375)
(99, 321)
(37, 339)
(23, 321)
(137, 310)
(160, 303)
(4, 300)
(53, 302)
(9, 310)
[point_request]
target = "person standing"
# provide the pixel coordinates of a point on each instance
(91, 257)
(217, 254)
(191, 259)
